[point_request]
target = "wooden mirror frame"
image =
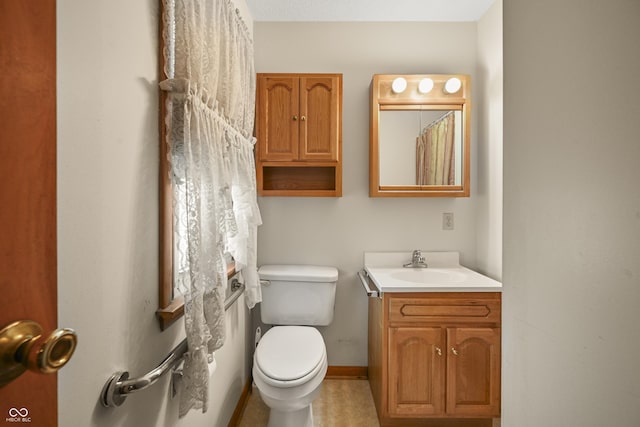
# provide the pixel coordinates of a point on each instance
(384, 98)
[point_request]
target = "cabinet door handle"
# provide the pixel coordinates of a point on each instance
(439, 351)
(295, 117)
(454, 351)
(303, 118)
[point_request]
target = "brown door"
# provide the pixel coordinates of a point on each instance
(28, 204)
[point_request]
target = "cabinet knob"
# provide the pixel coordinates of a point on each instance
(295, 117)
(454, 351)
(303, 118)
(439, 351)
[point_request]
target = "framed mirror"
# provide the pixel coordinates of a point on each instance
(419, 136)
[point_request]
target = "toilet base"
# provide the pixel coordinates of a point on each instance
(300, 418)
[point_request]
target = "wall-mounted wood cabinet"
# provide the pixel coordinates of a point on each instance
(435, 356)
(299, 134)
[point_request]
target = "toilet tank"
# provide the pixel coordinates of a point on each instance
(298, 294)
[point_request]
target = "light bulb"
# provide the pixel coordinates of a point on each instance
(399, 85)
(452, 85)
(425, 85)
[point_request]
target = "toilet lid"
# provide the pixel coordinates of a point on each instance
(286, 353)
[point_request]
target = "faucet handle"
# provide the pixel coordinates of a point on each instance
(417, 260)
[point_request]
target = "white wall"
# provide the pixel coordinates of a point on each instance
(337, 231)
(108, 221)
(571, 214)
(489, 141)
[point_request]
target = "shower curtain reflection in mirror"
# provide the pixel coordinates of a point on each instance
(421, 148)
(435, 152)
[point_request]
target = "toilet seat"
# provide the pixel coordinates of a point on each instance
(287, 356)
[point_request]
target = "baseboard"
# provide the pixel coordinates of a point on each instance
(424, 422)
(242, 403)
(347, 372)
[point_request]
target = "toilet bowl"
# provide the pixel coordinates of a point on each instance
(290, 360)
(290, 363)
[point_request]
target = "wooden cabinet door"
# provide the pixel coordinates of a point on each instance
(473, 371)
(416, 371)
(278, 117)
(320, 118)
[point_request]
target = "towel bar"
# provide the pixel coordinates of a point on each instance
(119, 386)
(370, 292)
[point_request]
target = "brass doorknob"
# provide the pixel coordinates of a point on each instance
(20, 350)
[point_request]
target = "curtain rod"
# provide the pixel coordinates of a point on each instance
(438, 120)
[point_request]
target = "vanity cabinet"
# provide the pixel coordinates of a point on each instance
(435, 356)
(299, 134)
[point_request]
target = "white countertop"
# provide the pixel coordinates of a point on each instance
(444, 274)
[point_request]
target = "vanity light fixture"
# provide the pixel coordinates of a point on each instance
(399, 85)
(425, 86)
(452, 85)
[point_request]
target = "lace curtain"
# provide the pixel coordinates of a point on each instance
(210, 114)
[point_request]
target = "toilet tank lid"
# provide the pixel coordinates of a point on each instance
(298, 273)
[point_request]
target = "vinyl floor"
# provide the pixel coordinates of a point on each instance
(341, 403)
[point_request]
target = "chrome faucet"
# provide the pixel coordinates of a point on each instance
(417, 260)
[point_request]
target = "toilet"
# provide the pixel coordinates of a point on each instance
(290, 360)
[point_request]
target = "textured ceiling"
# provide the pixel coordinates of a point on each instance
(368, 10)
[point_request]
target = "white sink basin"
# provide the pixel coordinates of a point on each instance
(432, 276)
(444, 274)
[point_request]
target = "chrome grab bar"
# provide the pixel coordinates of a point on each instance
(364, 279)
(119, 386)
(238, 289)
